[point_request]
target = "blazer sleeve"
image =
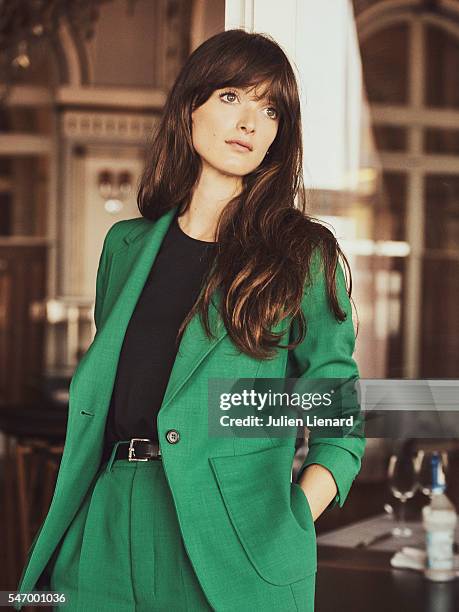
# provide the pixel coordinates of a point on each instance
(102, 269)
(326, 353)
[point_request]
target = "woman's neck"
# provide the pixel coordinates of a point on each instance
(211, 194)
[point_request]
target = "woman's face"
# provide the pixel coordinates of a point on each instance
(232, 131)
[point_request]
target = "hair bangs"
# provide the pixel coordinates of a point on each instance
(253, 64)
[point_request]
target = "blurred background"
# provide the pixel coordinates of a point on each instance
(82, 85)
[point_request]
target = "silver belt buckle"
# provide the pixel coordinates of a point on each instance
(131, 454)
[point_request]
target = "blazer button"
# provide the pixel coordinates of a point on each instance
(172, 436)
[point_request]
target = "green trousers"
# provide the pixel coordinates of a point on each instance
(123, 550)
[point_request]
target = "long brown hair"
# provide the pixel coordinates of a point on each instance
(265, 241)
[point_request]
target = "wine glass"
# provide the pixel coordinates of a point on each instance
(426, 477)
(403, 472)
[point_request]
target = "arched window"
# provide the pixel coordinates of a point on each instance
(411, 71)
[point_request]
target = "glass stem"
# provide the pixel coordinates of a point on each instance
(402, 522)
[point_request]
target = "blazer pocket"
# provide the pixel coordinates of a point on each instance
(301, 508)
(265, 512)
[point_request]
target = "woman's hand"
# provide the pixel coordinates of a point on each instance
(319, 487)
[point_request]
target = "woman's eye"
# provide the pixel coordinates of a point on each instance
(272, 112)
(231, 96)
(228, 96)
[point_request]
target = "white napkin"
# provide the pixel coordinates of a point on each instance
(415, 558)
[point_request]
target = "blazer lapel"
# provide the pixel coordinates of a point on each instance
(130, 268)
(194, 347)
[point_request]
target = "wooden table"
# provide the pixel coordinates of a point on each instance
(362, 580)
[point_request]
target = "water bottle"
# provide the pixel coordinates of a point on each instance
(439, 519)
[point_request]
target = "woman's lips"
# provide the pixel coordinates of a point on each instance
(238, 147)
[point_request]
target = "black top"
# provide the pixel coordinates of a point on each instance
(149, 347)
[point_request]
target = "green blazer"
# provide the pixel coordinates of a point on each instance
(236, 505)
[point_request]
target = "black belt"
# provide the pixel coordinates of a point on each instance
(138, 449)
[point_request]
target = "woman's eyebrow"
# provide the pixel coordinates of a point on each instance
(263, 97)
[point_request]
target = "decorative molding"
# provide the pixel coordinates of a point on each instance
(29, 95)
(127, 97)
(368, 9)
(371, 12)
(106, 126)
(404, 116)
(429, 163)
(72, 58)
(24, 241)
(123, 97)
(24, 144)
(367, 27)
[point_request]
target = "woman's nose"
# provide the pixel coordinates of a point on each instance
(246, 123)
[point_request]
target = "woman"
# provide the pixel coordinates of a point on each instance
(221, 277)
